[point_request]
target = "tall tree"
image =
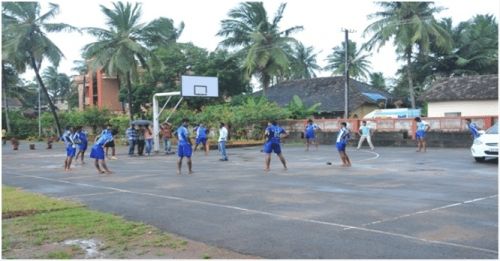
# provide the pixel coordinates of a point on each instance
(303, 62)
(377, 81)
(118, 49)
(262, 42)
(476, 45)
(25, 43)
(122, 48)
(357, 61)
(58, 84)
(412, 26)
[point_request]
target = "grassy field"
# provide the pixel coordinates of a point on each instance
(35, 226)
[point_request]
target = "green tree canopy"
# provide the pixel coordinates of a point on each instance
(261, 43)
(358, 62)
(25, 43)
(410, 25)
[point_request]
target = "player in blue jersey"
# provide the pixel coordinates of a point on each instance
(82, 147)
(422, 128)
(310, 134)
(97, 151)
(474, 130)
(70, 141)
(273, 134)
(201, 137)
(184, 146)
(341, 142)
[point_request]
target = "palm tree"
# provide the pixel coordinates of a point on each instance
(377, 81)
(118, 49)
(24, 40)
(57, 83)
(358, 63)
(121, 48)
(411, 24)
(263, 44)
(303, 62)
(477, 45)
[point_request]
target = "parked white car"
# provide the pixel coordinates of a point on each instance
(486, 145)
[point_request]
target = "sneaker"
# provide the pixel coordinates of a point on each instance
(328, 163)
(114, 158)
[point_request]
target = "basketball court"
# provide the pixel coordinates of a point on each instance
(392, 203)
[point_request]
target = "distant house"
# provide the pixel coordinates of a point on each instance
(12, 104)
(463, 96)
(98, 90)
(329, 91)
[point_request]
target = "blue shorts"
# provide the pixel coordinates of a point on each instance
(310, 136)
(97, 152)
(341, 146)
(272, 147)
(70, 151)
(420, 134)
(184, 150)
(82, 146)
(201, 140)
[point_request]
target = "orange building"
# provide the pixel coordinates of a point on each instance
(98, 89)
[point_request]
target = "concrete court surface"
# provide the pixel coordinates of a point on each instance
(393, 202)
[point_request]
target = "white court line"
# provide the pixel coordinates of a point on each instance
(425, 211)
(372, 158)
(92, 194)
(273, 215)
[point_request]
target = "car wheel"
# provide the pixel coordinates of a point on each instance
(479, 159)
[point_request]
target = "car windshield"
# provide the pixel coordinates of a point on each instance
(493, 129)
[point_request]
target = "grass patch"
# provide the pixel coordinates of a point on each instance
(54, 221)
(15, 200)
(59, 255)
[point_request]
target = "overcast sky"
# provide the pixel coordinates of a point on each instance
(322, 21)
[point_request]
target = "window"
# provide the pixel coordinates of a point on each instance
(452, 114)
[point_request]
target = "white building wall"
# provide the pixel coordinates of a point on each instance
(466, 108)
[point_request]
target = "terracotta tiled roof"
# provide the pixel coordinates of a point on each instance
(476, 87)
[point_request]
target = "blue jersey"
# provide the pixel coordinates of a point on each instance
(310, 129)
(473, 130)
(422, 126)
(82, 135)
(201, 132)
(273, 133)
(344, 135)
(68, 138)
(104, 138)
(183, 135)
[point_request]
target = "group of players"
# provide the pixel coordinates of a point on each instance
(273, 134)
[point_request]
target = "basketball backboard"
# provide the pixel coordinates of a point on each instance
(199, 86)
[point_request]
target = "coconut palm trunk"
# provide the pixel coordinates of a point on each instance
(410, 77)
(40, 82)
(129, 89)
(7, 122)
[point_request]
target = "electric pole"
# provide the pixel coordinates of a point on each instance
(347, 63)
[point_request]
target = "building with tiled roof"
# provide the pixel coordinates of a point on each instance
(474, 95)
(329, 91)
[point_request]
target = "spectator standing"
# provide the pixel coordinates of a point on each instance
(131, 134)
(222, 141)
(141, 141)
(148, 136)
(166, 133)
